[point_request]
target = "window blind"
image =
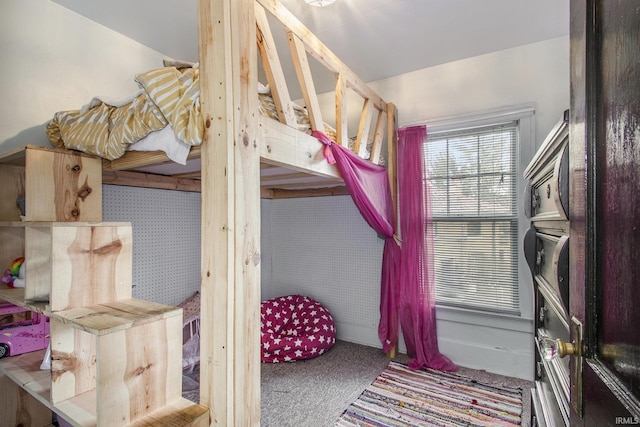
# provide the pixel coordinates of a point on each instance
(472, 178)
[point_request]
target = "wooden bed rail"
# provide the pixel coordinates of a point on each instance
(302, 43)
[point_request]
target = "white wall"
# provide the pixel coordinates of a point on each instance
(536, 76)
(52, 59)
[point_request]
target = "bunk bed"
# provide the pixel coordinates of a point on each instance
(242, 155)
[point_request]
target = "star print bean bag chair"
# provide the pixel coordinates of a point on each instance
(295, 327)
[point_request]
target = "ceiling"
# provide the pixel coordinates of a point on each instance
(375, 38)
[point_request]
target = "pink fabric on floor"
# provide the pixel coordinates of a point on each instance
(416, 297)
(295, 327)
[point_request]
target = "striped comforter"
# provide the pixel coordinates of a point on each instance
(168, 96)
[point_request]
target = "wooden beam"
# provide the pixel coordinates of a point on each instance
(304, 185)
(139, 159)
(342, 131)
(319, 51)
(149, 180)
(360, 147)
(266, 179)
(376, 148)
(303, 71)
(316, 192)
(230, 244)
(283, 146)
(392, 160)
(273, 69)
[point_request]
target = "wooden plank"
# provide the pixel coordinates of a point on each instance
(11, 244)
(89, 264)
(392, 160)
(246, 231)
(342, 119)
(142, 375)
(19, 408)
(80, 410)
(360, 147)
(63, 186)
(313, 192)
(217, 244)
(319, 51)
(149, 180)
(230, 255)
(273, 69)
(306, 185)
(73, 364)
(16, 296)
(139, 159)
(24, 370)
(376, 148)
(38, 247)
(303, 71)
(107, 318)
(181, 413)
(13, 186)
(283, 146)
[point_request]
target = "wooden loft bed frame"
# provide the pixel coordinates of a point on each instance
(236, 141)
(284, 171)
(240, 150)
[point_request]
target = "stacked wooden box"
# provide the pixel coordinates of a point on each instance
(115, 359)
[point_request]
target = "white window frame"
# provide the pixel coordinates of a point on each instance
(525, 116)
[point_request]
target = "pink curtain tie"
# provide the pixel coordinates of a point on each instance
(328, 153)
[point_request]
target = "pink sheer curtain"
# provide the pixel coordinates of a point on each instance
(369, 187)
(407, 293)
(416, 291)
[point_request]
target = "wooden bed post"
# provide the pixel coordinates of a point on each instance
(230, 232)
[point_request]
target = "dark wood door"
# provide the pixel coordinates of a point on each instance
(605, 211)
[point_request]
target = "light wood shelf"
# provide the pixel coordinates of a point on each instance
(113, 358)
(16, 297)
(25, 371)
(102, 319)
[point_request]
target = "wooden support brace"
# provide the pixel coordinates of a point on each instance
(341, 111)
(303, 71)
(230, 244)
(273, 69)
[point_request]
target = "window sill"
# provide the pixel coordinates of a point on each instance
(481, 318)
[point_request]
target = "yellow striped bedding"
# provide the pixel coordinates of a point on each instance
(168, 95)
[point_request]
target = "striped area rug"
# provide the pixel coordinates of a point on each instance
(403, 397)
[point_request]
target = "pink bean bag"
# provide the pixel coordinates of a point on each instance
(295, 327)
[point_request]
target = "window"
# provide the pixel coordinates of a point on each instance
(473, 179)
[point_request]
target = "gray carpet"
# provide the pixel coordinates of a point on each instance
(315, 392)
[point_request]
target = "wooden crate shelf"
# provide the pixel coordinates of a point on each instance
(115, 360)
(16, 297)
(102, 319)
(24, 370)
(61, 185)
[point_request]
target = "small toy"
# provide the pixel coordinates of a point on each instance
(14, 276)
(23, 336)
